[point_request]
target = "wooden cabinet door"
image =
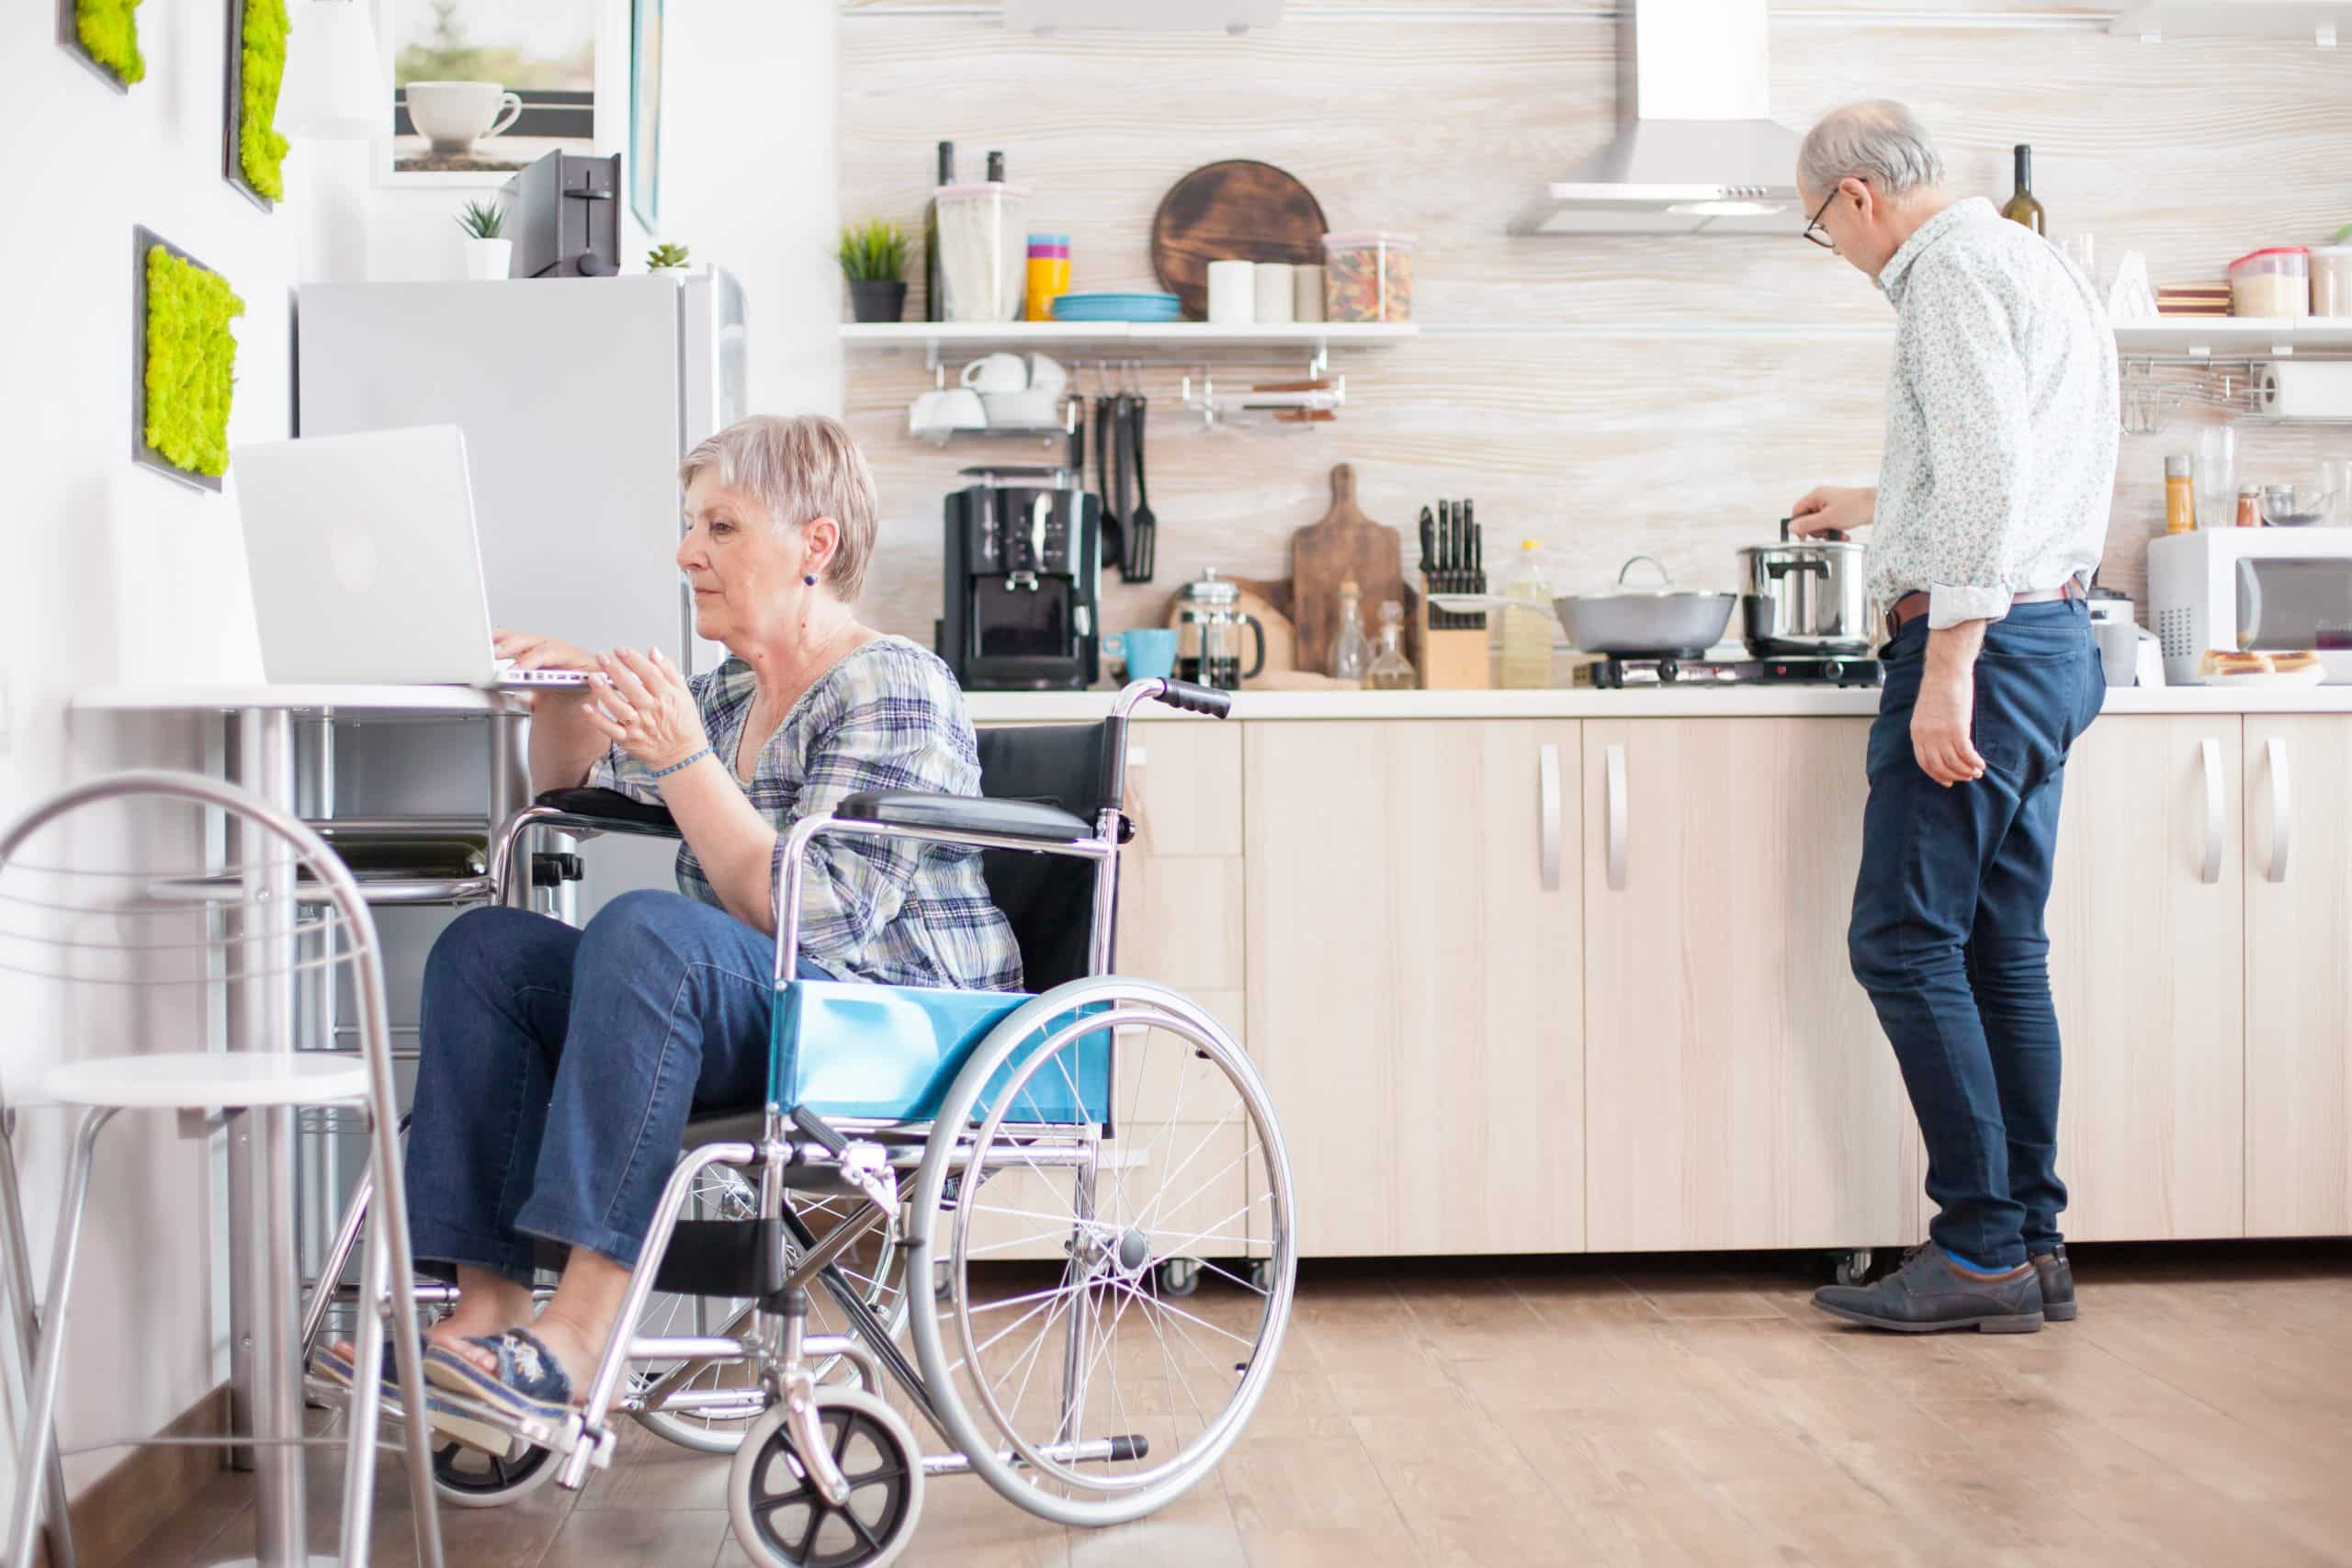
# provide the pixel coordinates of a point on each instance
(1413, 982)
(2145, 964)
(2298, 976)
(1739, 1092)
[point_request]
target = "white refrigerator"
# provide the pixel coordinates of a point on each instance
(578, 396)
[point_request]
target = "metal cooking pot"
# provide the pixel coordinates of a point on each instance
(1645, 624)
(1804, 597)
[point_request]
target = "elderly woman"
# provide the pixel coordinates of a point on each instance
(560, 1066)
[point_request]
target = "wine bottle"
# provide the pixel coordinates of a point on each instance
(2021, 208)
(996, 168)
(932, 308)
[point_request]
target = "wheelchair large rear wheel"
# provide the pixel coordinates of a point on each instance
(1075, 1385)
(873, 1273)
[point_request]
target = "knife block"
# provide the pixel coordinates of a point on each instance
(1447, 660)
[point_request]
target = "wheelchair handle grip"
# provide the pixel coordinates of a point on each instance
(1194, 697)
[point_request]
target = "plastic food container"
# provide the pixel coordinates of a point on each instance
(1368, 278)
(2273, 282)
(2331, 280)
(981, 247)
(1049, 277)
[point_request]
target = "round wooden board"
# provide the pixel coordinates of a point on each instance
(1237, 211)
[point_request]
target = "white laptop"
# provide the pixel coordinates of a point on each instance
(365, 566)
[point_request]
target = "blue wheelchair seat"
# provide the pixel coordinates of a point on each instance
(889, 1054)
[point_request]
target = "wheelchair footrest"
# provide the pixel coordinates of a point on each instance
(723, 1257)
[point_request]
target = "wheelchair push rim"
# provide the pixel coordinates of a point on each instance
(1194, 1169)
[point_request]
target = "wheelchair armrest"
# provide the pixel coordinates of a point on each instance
(612, 809)
(938, 813)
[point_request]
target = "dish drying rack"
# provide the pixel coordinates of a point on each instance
(1315, 400)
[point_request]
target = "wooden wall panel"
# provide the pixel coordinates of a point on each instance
(1606, 395)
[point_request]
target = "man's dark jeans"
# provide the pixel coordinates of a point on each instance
(1946, 933)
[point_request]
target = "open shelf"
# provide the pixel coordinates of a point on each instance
(1170, 336)
(2312, 21)
(2239, 337)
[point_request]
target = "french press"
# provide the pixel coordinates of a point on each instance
(1209, 620)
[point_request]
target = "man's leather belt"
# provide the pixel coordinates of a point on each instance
(1913, 605)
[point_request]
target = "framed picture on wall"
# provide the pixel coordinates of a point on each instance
(481, 88)
(645, 112)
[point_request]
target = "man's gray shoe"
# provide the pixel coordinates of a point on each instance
(1931, 1293)
(2057, 1277)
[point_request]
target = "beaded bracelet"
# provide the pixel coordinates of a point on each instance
(686, 763)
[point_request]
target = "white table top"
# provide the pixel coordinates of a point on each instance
(422, 701)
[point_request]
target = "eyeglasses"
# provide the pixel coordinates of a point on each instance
(1814, 232)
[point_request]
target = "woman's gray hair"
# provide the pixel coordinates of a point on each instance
(1880, 142)
(801, 468)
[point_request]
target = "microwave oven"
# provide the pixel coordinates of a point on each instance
(2263, 589)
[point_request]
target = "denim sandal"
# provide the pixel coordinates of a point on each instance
(330, 1364)
(528, 1383)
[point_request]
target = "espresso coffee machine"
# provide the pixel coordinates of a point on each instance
(1023, 563)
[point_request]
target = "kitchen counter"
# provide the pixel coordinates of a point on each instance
(1731, 702)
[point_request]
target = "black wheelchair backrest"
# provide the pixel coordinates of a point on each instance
(1049, 899)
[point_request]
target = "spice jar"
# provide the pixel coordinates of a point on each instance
(2249, 507)
(2180, 499)
(1368, 278)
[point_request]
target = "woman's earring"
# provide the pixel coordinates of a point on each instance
(810, 579)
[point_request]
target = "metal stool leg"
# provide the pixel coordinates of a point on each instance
(40, 1444)
(366, 1401)
(55, 1530)
(395, 1258)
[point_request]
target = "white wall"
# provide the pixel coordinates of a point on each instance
(116, 575)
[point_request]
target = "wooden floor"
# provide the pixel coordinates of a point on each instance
(1640, 1411)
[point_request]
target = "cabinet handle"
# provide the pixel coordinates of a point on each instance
(2210, 748)
(1616, 818)
(2282, 807)
(1547, 790)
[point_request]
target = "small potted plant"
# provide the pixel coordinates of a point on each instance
(666, 258)
(487, 254)
(873, 259)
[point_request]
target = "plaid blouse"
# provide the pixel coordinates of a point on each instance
(894, 911)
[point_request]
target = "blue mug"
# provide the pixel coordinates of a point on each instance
(1149, 652)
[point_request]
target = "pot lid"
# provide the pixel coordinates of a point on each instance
(1779, 544)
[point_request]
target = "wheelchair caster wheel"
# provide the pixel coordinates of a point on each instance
(942, 1287)
(780, 1519)
(1178, 1277)
(471, 1478)
(1852, 1267)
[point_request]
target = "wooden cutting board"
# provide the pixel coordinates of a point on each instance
(1237, 210)
(1345, 543)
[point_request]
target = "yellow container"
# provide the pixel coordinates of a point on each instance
(1049, 275)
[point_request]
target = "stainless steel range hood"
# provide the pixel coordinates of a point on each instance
(1695, 152)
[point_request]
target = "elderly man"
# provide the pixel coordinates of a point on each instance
(1990, 514)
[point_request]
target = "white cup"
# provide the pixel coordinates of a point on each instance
(1233, 293)
(998, 373)
(936, 414)
(2118, 650)
(1306, 293)
(1033, 410)
(1271, 284)
(1047, 375)
(453, 115)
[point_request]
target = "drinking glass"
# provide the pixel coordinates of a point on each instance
(2217, 475)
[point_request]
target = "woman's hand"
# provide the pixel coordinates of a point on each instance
(529, 650)
(644, 705)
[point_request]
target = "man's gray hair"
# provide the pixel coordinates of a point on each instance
(801, 468)
(1880, 142)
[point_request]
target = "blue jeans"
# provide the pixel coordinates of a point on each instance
(559, 1067)
(1946, 933)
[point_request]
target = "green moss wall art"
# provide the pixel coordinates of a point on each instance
(181, 394)
(108, 32)
(258, 154)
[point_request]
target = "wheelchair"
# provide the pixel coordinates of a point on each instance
(1056, 1226)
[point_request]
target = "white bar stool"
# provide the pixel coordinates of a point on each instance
(86, 911)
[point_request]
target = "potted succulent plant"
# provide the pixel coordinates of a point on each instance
(666, 258)
(874, 260)
(487, 254)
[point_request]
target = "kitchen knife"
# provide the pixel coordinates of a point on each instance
(1428, 542)
(1477, 543)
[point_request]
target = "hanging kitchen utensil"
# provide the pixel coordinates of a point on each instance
(1114, 528)
(1237, 210)
(1143, 528)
